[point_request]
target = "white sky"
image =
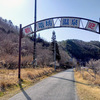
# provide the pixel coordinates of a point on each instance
(22, 12)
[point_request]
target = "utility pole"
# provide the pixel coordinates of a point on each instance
(99, 25)
(54, 41)
(34, 36)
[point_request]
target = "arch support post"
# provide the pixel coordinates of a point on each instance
(19, 59)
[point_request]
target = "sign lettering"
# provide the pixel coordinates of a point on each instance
(70, 22)
(27, 30)
(45, 24)
(41, 25)
(91, 26)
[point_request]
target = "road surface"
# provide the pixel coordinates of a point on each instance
(58, 87)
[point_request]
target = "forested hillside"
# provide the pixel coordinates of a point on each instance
(9, 43)
(7, 26)
(9, 50)
(81, 50)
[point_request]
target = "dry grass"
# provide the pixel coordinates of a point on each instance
(87, 87)
(30, 74)
(9, 80)
(91, 77)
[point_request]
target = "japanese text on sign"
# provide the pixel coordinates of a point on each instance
(70, 22)
(45, 24)
(27, 30)
(91, 26)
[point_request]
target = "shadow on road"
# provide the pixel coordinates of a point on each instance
(23, 91)
(70, 80)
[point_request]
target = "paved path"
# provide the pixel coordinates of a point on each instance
(58, 87)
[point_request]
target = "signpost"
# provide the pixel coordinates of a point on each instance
(72, 22)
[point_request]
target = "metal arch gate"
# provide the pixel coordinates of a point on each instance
(58, 22)
(66, 21)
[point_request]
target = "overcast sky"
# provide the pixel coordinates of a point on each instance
(22, 12)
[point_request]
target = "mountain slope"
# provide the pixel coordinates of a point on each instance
(82, 50)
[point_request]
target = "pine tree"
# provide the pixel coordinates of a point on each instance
(58, 57)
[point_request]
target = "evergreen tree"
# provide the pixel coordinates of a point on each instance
(54, 42)
(58, 57)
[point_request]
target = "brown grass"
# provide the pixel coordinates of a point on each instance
(90, 76)
(88, 88)
(9, 78)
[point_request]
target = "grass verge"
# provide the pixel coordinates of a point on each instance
(85, 88)
(9, 82)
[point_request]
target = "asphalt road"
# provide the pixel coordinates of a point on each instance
(58, 87)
